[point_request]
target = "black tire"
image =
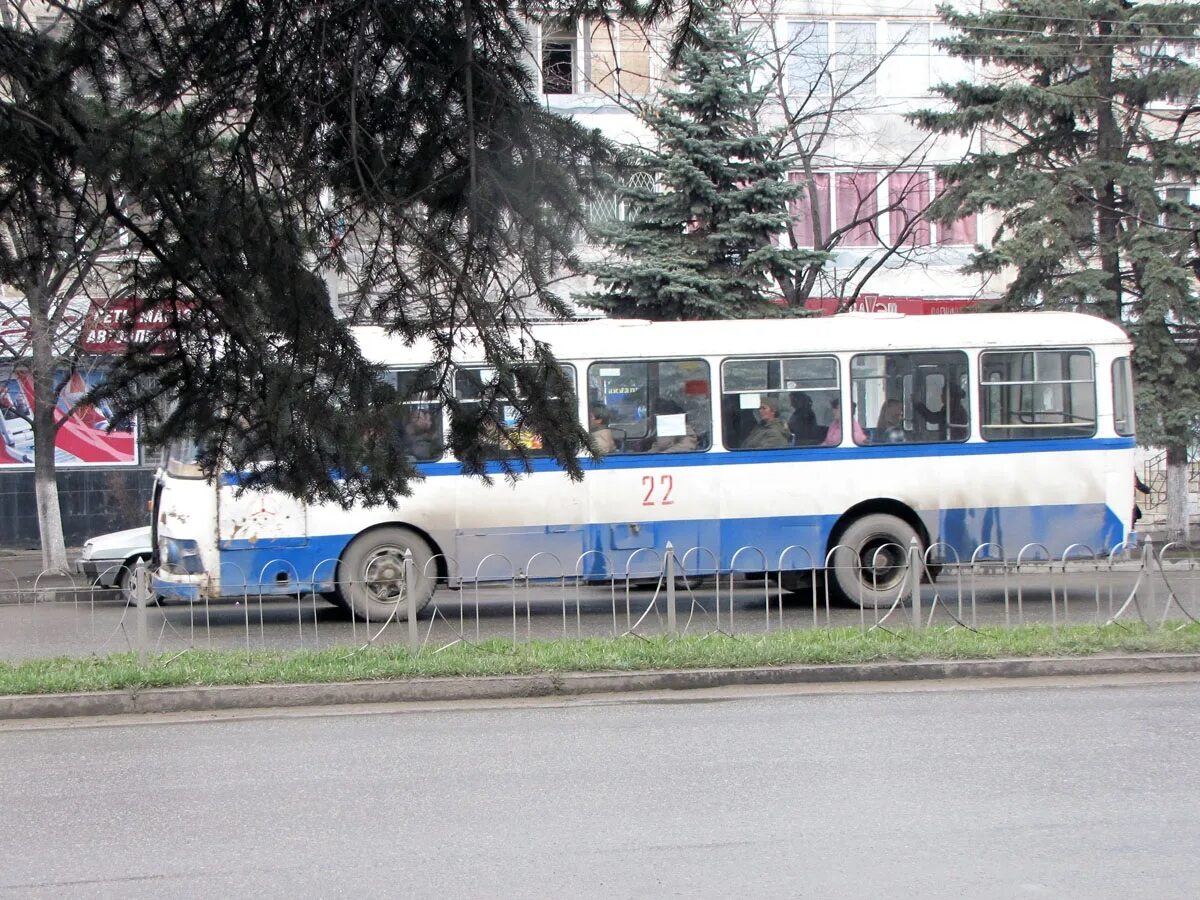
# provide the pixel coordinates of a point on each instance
(335, 599)
(796, 581)
(871, 561)
(126, 581)
(370, 574)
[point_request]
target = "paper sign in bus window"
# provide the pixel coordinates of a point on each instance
(671, 426)
(749, 401)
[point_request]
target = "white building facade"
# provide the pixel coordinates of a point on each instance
(842, 76)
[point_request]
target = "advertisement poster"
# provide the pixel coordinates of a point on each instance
(83, 435)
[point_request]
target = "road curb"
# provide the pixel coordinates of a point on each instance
(243, 697)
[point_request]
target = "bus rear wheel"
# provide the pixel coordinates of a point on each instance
(871, 560)
(371, 574)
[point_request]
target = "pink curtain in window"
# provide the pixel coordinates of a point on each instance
(908, 195)
(960, 232)
(856, 201)
(801, 209)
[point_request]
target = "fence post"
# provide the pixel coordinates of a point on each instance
(410, 601)
(672, 626)
(141, 593)
(914, 574)
(1148, 564)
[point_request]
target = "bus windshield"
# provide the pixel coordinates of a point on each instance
(183, 458)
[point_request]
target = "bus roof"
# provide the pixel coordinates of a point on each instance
(623, 338)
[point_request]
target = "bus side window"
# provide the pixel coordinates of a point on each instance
(911, 397)
(649, 406)
(506, 432)
(1037, 394)
(797, 394)
(421, 417)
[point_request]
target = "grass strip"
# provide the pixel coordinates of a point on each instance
(811, 647)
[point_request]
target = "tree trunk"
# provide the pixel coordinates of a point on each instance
(54, 548)
(1177, 494)
(1109, 151)
(50, 528)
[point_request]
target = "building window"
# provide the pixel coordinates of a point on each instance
(807, 58)
(863, 59)
(617, 59)
(908, 196)
(959, 232)
(857, 208)
(1179, 211)
(815, 195)
(558, 58)
(613, 206)
(855, 215)
(944, 68)
(856, 58)
(906, 71)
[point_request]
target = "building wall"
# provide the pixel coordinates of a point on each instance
(869, 134)
(93, 500)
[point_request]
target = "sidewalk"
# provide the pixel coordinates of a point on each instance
(21, 572)
(567, 684)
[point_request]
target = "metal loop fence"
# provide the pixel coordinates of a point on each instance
(430, 605)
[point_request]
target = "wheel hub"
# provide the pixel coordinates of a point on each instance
(384, 576)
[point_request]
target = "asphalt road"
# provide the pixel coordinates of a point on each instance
(1065, 789)
(99, 622)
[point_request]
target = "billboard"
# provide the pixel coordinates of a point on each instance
(910, 306)
(83, 438)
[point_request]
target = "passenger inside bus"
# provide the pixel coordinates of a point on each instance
(602, 437)
(683, 442)
(951, 421)
(769, 433)
(833, 435)
(739, 422)
(890, 427)
(802, 424)
(422, 437)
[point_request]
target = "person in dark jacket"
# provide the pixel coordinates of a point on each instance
(1141, 487)
(422, 437)
(769, 433)
(803, 422)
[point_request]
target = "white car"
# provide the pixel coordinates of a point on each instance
(109, 560)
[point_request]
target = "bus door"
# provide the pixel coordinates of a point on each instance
(501, 528)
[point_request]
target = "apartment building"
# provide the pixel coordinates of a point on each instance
(842, 76)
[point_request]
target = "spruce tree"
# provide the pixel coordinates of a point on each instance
(1088, 116)
(236, 151)
(700, 242)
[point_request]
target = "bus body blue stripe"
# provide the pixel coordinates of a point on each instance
(787, 455)
(313, 566)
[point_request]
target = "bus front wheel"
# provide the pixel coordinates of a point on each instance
(371, 574)
(870, 562)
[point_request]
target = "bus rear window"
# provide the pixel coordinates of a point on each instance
(1122, 376)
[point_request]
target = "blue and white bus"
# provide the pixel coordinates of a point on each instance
(806, 439)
